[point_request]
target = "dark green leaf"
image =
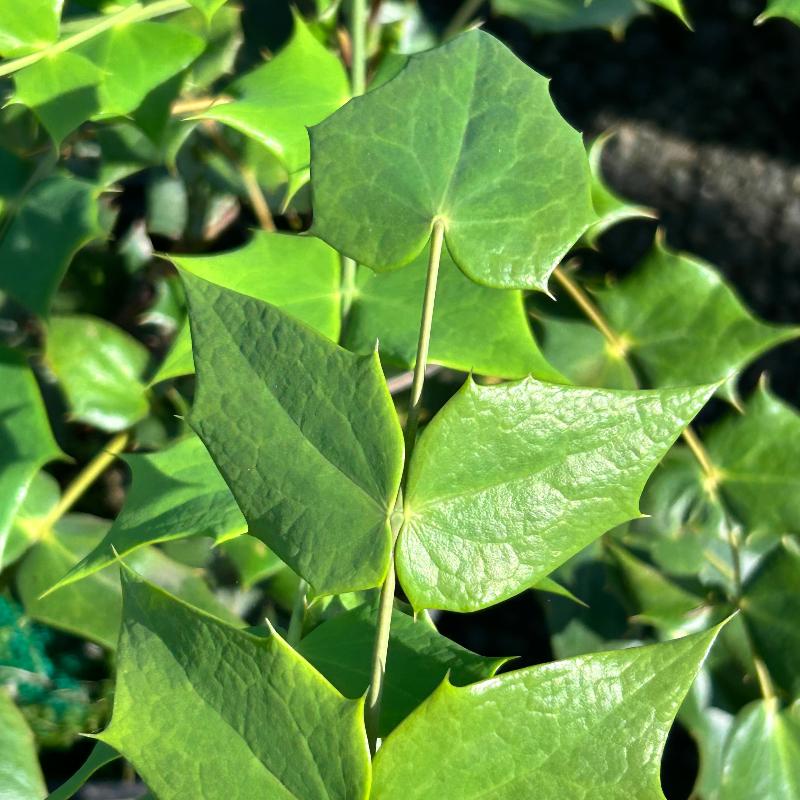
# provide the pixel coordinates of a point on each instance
(509, 481)
(593, 726)
(558, 16)
(101, 755)
(289, 390)
(20, 775)
(463, 128)
(270, 725)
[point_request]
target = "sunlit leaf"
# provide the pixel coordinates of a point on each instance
(29, 26)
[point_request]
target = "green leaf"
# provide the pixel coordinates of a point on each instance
(269, 723)
(509, 481)
(42, 495)
(419, 659)
(771, 606)
(100, 369)
(275, 102)
(762, 754)
(54, 220)
(474, 328)
(175, 493)
(559, 16)
(253, 560)
(592, 726)
(463, 128)
(26, 441)
(20, 774)
(93, 610)
(101, 755)
(27, 27)
(324, 511)
(207, 7)
(298, 274)
(780, 8)
(676, 7)
(683, 324)
(549, 586)
(757, 454)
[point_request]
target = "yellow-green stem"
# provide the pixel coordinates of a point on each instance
(134, 13)
(461, 18)
(384, 623)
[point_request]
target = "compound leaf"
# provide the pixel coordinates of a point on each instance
(100, 369)
(270, 724)
(20, 774)
(683, 324)
(463, 128)
(419, 659)
(509, 481)
(275, 103)
(269, 386)
(52, 222)
(592, 726)
(175, 493)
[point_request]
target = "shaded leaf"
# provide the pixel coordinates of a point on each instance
(463, 128)
(275, 726)
(559, 16)
(20, 774)
(253, 560)
(592, 726)
(419, 659)
(509, 481)
(100, 369)
(325, 511)
(101, 755)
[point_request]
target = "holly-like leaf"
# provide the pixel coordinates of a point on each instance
(275, 103)
(20, 774)
(474, 328)
(771, 606)
(100, 369)
(762, 754)
(509, 481)
(41, 497)
(175, 493)
(419, 659)
(26, 441)
(269, 386)
(465, 135)
(275, 726)
(788, 9)
(756, 451)
(27, 27)
(592, 726)
(298, 274)
(683, 324)
(51, 223)
(559, 16)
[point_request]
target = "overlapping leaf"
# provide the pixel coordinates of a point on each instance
(100, 369)
(509, 481)
(20, 774)
(463, 128)
(304, 433)
(275, 726)
(41, 497)
(592, 726)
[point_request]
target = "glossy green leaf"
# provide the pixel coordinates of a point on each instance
(474, 328)
(463, 128)
(289, 390)
(29, 26)
(100, 369)
(53, 221)
(298, 274)
(509, 481)
(101, 755)
(758, 456)
(93, 609)
(20, 774)
(275, 103)
(175, 493)
(41, 496)
(762, 755)
(419, 659)
(788, 9)
(559, 16)
(270, 724)
(683, 324)
(771, 606)
(26, 441)
(592, 726)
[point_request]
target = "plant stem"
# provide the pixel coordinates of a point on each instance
(86, 477)
(298, 618)
(704, 459)
(460, 19)
(134, 13)
(381, 648)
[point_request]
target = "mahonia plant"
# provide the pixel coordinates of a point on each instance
(446, 196)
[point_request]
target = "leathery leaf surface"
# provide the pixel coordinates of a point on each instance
(304, 433)
(509, 481)
(262, 722)
(589, 727)
(465, 134)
